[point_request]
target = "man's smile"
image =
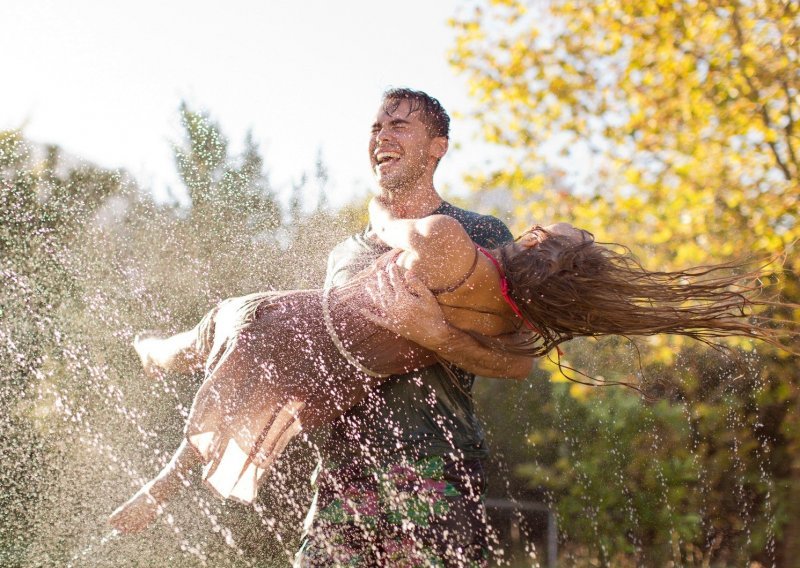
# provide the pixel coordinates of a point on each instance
(385, 156)
(385, 160)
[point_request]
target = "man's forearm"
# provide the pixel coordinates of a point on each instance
(466, 352)
(410, 310)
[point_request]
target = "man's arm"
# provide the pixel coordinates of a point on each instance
(467, 353)
(404, 305)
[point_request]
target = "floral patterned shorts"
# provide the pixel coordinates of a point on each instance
(426, 513)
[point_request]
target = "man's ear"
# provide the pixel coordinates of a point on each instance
(439, 146)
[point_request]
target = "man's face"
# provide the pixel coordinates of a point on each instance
(400, 149)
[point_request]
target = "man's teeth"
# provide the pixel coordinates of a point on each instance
(384, 156)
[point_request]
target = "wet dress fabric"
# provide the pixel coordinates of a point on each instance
(273, 368)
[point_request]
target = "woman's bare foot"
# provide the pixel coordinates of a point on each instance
(137, 513)
(161, 354)
(146, 344)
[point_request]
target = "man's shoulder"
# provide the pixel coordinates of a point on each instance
(355, 245)
(349, 257)
(348, 245)
(486, 230)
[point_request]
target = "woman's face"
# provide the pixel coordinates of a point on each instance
(537, 234)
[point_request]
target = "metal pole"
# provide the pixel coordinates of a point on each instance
(552, 540)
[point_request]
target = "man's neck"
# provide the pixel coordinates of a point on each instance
(414, 204)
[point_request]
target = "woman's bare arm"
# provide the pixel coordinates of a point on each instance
(467, 353)
(440, 250)
(404, 305)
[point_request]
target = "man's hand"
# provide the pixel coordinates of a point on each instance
(401, 303)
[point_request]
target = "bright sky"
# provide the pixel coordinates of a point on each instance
(104, 79)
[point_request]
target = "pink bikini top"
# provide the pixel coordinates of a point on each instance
(503, 286)
(504, 290)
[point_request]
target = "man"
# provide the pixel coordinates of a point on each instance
(400, 480)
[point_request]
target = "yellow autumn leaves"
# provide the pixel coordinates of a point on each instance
(688, 110)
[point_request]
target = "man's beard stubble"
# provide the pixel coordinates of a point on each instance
(403, 184)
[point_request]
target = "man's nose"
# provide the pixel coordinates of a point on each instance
(382, 134)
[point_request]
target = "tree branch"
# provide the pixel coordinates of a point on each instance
(755, 98)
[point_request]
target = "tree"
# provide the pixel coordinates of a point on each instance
(230, 190)
(45, 202)
(87, 260)
(670, 126)
(690, 108)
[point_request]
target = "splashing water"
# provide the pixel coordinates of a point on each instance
(87, 262)
(94, 547)
(81, 427)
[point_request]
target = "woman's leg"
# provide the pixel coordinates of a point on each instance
(140, 511)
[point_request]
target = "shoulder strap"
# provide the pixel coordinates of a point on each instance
(505, 293)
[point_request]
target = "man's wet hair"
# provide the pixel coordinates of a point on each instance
(434, 116)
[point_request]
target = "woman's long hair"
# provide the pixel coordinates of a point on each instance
(567, 289)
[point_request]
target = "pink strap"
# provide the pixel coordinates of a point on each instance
(504, 290)
(509, 300)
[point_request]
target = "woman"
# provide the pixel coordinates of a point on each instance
(277, 363)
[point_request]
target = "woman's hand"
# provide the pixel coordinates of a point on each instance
(137, 513)
(401, 303)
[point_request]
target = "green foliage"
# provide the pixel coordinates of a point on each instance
(88, 260)
(219, 186)
(43, 203)
(689, 478)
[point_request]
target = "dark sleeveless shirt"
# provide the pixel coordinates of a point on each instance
(420, 414)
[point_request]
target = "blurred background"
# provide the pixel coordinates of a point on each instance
(156, 159)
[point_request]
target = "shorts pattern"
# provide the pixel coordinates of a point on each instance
(426, 513)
